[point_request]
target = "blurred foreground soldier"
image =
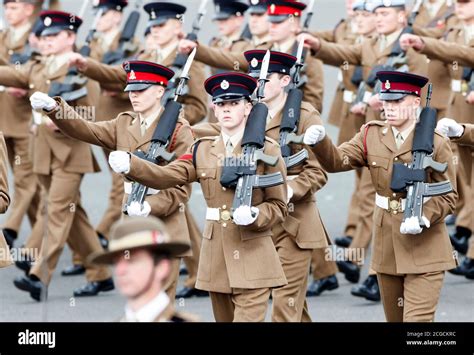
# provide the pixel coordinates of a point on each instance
(462, 134)
(140, 251)
(15, 118)
(5, 257)
(239, 264)
(60, 161)
(411, 250)
(134, 131)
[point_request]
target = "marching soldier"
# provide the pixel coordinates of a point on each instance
(461, 109)
(284, 18)
(141, 251)
(5, 258)
(371, 54)
(111, 103)
(59, 161)
(259, 26)
(15, 118)
(303, 231)
(463, 135)
(239, 264)
(410, 260)
(133, 131)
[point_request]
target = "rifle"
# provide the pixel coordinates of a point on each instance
(412, 178)
(126, 46)
(291, 117)
(68, 88)
(309, 15)
(181, 59)
(253, 143)
(162, 136)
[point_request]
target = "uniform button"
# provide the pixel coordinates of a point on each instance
(394, 194)
(48, 82)
(10, 52)
(223, 188)
(224, 207)
(32, 86)
(203, 174)
(224, 225)
(374, 163)
(396, 158)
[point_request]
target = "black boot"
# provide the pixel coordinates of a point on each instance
(369, 289)
(32, 285)
(350, 270)
(10, 236)
(460, 239)
(319, 286)
(103, 241)
(344, 241)
(465, 269)
(73, 270)
(187, 292)
(94, 287)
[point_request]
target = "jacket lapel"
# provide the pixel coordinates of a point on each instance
(407, 144)
(388, 140)
(134, 133)
(274, 122)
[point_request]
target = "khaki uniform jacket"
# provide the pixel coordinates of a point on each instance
(239, 46)
(468, 136)
(437, 71)
(341, 34)
(112, 102)
(123, 133)
(303, 222)
(449, 52)
(76, 156)
(5, 257)
(393, 252)
(312, 90)
(15, 116)
(232, 256)
(367, 54)
(459, 109)
(114, 78)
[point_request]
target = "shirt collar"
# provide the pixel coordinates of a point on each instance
(468, 32)
(109, 37)
(150, 311)
(433, 7)
(19, 32)
(404, 133)
(258, 41)
(164, 52)
(150, 119)
(276, 110)
(235, 139)
(392, 37)
(286, 46)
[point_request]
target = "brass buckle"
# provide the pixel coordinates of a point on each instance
(225, 215)
(395, 206)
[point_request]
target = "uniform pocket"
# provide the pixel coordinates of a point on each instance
(207, 179)
(378, 167)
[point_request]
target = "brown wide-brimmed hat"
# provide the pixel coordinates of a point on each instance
(138, 233)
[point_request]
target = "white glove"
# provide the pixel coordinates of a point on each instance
(41, 101)
(243, 215)
(450, 127)
(314, 135)
(290, 193)
(412, 226)
(138, 210)
(120, 162)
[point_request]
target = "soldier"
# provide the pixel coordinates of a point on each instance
(463, 135)
(133, 131)
(409, 260)
(371, 54)
(284, 18)
(239, 264)
(5, 258)
(303, 231)
(15, 118)
(111, 103)
(141, 250)
(59, 161)
(258, 23)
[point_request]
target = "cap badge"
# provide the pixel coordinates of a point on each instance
(132, 75)
(225, 85)
(272, 8)
(254, 63)
(254, 2)
(387, 85)
(48, 21)
(387, 3)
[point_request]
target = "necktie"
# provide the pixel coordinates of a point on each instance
(159, 56)
(229, 148)
(383, 43)
(399, 140)
(143, 127)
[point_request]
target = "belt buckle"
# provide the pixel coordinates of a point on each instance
(225, 215)
(395, 206)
